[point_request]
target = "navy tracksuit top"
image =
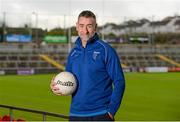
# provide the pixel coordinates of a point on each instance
(100, 78)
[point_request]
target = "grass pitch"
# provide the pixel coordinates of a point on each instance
(148, 96)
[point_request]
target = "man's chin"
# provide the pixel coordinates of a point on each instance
(85, 39)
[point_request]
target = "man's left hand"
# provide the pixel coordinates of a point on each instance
(111, 116)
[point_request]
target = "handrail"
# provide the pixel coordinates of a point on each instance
(44, 113)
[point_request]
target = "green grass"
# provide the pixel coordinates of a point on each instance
(31, 92)
(148, 96)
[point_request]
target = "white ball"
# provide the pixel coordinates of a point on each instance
(66, 82)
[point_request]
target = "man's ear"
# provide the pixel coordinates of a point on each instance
(76, 26)
(96, 26)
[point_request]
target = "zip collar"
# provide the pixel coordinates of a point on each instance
(90, 42)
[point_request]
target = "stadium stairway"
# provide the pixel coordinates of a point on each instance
(123, 65)
(59, 66)
(51, 61)
(164, 58)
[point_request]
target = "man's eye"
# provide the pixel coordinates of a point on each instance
(81, 26)
(90, 26)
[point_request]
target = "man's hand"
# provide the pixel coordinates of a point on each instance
(111, 116)
(53, 87)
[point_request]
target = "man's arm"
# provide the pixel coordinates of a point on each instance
(116, 74)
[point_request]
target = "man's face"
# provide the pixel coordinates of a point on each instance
(86, 27)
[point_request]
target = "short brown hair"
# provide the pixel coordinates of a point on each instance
(87, 14)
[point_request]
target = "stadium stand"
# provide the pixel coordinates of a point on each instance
(49, 58)
(148, 55)
(15, 57)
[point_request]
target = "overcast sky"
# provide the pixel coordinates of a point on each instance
(52, 13)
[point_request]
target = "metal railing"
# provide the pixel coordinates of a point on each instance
(43, 113)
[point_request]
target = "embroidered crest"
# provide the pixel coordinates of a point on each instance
(95, 54)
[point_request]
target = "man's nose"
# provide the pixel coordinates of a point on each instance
(86, 30)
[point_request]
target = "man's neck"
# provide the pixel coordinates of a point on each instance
(84, 43)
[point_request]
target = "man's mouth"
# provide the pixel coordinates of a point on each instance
(85, 37)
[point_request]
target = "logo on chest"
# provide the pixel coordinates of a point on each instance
(95, 55)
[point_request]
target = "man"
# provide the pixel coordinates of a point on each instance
(99, 74)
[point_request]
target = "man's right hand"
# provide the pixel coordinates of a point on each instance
(53, 87)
